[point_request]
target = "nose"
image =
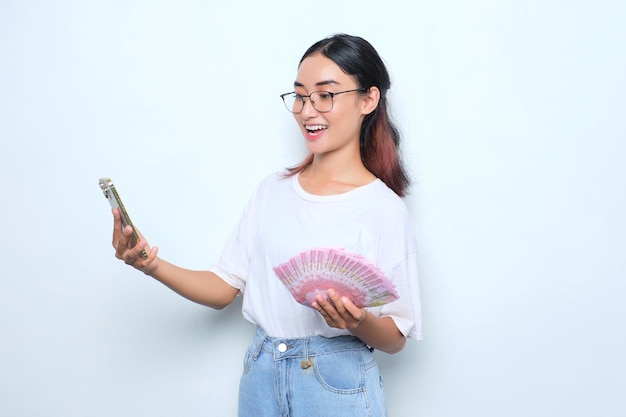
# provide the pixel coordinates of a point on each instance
(308, 110)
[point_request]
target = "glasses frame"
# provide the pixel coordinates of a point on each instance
(330, 93)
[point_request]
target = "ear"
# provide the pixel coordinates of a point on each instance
(369, 101)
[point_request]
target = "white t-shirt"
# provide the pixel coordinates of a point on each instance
(282, 219)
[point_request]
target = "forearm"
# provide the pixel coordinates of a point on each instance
(202, 287)
(380, 333)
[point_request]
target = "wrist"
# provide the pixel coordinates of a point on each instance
(151, 269)
(361, 320)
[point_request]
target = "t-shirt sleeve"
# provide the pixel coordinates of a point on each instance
(406, 311)
(234, 262)
(397, 257)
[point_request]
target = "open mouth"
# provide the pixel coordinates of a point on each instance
(315, 129)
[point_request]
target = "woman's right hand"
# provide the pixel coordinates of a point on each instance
(129, 251)
(202, 287)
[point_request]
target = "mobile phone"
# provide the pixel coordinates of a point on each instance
(111, 194)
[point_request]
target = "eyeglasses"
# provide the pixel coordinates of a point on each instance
(322, 101)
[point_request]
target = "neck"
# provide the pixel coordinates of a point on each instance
(339, 163)
(327, 175)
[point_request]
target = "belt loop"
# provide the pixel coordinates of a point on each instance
(307, 362)
(259, 339)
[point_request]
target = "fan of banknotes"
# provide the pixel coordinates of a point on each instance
(314, 271)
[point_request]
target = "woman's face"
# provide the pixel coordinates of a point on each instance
(338, 129)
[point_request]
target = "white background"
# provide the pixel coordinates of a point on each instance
(513, 116)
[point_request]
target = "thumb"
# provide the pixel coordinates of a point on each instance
(356, 312)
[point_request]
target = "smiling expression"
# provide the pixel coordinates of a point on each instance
(338, 129)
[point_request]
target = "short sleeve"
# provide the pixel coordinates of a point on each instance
(234, 263)
(406, 311)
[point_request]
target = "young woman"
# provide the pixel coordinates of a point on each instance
(316, 361)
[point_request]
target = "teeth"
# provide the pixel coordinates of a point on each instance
(315, 127)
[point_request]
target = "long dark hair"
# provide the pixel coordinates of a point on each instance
(379, 138)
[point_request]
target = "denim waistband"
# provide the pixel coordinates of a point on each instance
(283, 348)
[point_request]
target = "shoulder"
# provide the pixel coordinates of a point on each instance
(272, 181)
(271, 185)
(393, 216)
(390, 203)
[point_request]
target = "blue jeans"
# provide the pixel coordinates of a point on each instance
(310, 377)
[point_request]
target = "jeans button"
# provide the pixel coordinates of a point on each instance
(282, 348)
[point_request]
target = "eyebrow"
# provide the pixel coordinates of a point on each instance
(317, 84)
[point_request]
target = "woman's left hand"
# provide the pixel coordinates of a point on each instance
(338, 311)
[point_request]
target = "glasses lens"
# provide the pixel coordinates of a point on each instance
(293, 102)
(322, 101)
